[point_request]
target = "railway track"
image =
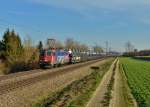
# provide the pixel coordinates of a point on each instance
(19, 74)
(51, 73)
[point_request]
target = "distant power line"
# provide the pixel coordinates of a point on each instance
(107, 48)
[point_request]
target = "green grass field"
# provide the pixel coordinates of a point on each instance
(138, 75)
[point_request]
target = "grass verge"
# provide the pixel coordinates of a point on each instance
(77, 93)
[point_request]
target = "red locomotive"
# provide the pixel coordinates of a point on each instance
(47, 57)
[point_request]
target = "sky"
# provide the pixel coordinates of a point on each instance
(87, 21)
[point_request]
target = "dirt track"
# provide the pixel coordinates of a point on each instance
(120, 93)
(98, 96)
(24, 95)
(121, 96)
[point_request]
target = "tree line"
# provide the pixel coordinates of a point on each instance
(18, 55)
(131, 51)
(74, 45)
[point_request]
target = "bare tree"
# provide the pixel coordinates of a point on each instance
(75, 45)
(28, 49)
(98, 49)
(59, 45)
(129, 47)
(107, 47)
(84, 47)
(69, 43)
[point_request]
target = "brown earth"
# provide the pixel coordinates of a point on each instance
(24, 96)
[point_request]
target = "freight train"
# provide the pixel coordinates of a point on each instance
(53, 58)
